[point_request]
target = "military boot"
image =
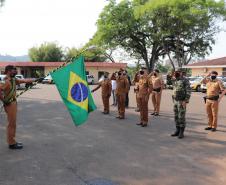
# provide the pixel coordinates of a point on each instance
(181, 134)
(176, 133)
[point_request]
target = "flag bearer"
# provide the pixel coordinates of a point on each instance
(8, 96)
(106, 92)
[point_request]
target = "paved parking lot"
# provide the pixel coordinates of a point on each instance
(110, 151)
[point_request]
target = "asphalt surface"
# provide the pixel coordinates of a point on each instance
(107, 151)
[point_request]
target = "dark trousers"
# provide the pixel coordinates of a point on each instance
(114, 97)
(127, 100)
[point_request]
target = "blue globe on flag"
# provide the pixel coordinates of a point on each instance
(79, 92)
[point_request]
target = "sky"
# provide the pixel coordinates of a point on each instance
(70, 23)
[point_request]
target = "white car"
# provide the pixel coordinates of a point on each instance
(90, 79)
(48, 80)
(2, 77)
(224, 82)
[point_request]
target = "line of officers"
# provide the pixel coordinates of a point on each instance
(144, 85)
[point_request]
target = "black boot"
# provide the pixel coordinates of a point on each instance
(181, 134)
(176, 133)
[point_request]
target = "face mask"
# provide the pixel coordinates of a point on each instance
(155, 74)
(119, 73)
(213, 77)
(141, 72)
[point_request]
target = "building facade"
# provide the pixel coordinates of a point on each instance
(41, 69)
(205, 67)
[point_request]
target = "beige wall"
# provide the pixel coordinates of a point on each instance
(205, 71)
(2, 69)
(94, 71)
(47, 70)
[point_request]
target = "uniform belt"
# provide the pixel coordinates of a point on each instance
(212, 97)
(9, 102)
(157, 89)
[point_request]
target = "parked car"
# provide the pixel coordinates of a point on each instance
(90, 79)
(224, 81)
(195, 83)
(47, 80)
(2, 77)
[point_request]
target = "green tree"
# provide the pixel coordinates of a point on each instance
(163, 68)
(179, 29)
(188, 27)
(47, 52)
(118, 26)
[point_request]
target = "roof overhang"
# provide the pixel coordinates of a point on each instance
(198, 67)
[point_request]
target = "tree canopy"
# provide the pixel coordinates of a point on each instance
(151, 29)
(188, 26)
(47, 52)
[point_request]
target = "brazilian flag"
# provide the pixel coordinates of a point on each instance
(74, 90)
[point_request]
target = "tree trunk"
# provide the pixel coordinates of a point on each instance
(171, 61)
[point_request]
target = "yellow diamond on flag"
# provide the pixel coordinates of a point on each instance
(78, 91)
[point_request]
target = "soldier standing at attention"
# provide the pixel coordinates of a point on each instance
(144, 90)
(8, 97)
(214, 87)
(181, 96)
(158, 84)
(106, 92)
(136, 90)
(122, 87)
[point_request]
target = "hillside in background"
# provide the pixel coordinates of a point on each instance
(9, 58)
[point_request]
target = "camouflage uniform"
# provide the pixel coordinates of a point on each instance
(181, 93)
